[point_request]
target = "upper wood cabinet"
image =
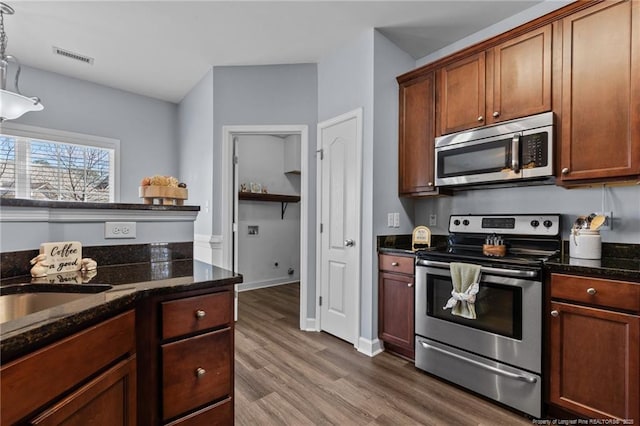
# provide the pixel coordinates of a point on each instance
(416, 137)
(510, 80)
(461, 94)
(600, 137)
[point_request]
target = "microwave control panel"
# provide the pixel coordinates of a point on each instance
(533, 150)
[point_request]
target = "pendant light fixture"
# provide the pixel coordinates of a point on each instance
(12, 104)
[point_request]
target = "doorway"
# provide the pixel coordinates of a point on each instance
(230, 196)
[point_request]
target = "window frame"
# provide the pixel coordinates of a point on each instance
(65, 137)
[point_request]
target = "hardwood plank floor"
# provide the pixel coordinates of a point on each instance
(284, 376)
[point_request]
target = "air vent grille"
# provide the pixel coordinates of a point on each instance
(73, 55)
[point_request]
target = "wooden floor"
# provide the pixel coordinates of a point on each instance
(284, 376)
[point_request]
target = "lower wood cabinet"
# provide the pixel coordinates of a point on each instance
(86, 378)
(594, 347)
(396, 304)
(186, 344)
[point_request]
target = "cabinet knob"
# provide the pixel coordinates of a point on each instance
(200, 313)
(591, 291)
(200, 372)
(496, 114)
(555, 313)
(430, 184)
(394, 263)
(409, 284)
(565, 171)
(481, 118)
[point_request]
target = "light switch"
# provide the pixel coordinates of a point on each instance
(389, 220)
(396, 220)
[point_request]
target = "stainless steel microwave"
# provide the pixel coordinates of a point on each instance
(519, 149)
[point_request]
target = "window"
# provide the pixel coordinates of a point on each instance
(42, 164)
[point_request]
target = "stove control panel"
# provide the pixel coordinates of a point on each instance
(510, 224)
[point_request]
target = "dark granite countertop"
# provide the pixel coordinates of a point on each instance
(619, 261)
(608, 267)
(130, 283)
(21, 202)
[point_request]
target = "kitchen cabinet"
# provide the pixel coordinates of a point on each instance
(600, 131)
(416, 137)
(594, 349)
(510, 80)
(396, 304)
(188, 350)
(77, 380)
(292, 155)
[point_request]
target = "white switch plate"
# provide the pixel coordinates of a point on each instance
(396, 220)
(119, 229)
(389, 220)
(433, 220)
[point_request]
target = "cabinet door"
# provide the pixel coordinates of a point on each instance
(461, 95)
(416, 137)
(108, 400)
(521, 77)
(594, 367)
(396, 312)
(601, 92)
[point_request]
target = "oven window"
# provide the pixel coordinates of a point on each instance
(498, 307)
(486, 157)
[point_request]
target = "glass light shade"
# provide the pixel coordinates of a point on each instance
(13, 105)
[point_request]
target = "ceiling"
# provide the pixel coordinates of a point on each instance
(162, 49)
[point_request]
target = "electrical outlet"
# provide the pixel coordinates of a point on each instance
(396, 220)
(389, 220)
(119, 229)
(608, 222)
(433, 220)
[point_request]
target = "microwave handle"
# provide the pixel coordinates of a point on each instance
(515, 153)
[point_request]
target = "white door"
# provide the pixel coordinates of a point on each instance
(340, 168)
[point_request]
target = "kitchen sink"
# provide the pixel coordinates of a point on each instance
(18, 300)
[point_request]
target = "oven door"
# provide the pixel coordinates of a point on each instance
(508, 308)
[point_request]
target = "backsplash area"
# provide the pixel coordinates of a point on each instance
(13, 264)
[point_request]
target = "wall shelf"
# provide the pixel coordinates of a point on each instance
(284, 200)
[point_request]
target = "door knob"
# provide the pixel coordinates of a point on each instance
(591, 291)
(565, 171)
(496, 114)
(349, 243)
(555, 313)
(481, 118)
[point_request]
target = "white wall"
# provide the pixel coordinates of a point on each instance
(261, 160)
(147, 128)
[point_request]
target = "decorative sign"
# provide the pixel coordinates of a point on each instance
(62, 257)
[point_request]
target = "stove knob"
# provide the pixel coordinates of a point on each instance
(465, 222)
(535, 223)
(456, 222)
(547, 223)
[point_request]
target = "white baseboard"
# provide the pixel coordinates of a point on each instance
(370, 347)
(309, 324)
(267, 283)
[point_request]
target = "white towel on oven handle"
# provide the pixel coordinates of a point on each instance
(468, 296)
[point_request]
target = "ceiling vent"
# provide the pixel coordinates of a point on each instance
(72, 55)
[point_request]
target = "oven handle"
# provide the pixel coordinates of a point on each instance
(486, 269)
(521, 377)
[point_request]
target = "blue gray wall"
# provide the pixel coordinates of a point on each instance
(195, 118)
(147, 128)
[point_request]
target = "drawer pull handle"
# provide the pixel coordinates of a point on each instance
(591, 291)
(555, 313)
(200, 313)
(409, 284)
(200, 372)
(394, 264)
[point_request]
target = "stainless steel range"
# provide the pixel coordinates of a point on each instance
(497, 350)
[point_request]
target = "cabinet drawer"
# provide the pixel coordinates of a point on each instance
(196, 371)
(608, 293)
(194, 314)
(400, 264)
(220, 414)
